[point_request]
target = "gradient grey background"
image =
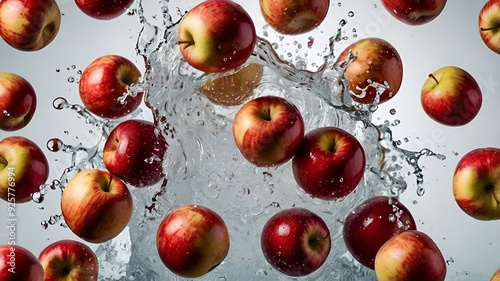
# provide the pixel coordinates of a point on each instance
(470, 246)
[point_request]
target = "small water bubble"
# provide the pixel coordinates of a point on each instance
(58, 70)
(450, 261)
(44, 224)
(265, 33)
(6, 113)
(54, 144)
(396, 122)
(73, 66)
(267, 176)
(310, 41)
(415, 202)
(37, 197)
(79, 71)
(392, 111)
(131, 12)
(59, 103)
(275, 46)
(71, 79)
(261, 272)
(420, 191)
(339, 4)
(350, 14)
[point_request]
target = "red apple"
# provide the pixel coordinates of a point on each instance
(414, 12)
(410, 255)
(451, 96)
(371, 224)
(233, 89)
(17, 102)
(296, 241)
(23, 169)
(192, 240)
(103, 9)
(19, 264)
(105, 81)
(217, 36)
(495, 276)
(489, 25)
(294, 17)
(134, 152)
(69, 260)
(476, 183)
(268, 130)
(329, 163)
(377, 64)
(29, 25)
(96, 206)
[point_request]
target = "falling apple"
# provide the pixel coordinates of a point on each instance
(19, 264)
(414, 12)
(103, 9)
(489, 25)
(17, 102)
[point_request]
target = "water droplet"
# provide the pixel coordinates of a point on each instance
(58, 70)
(6, 113)
(44, 224)
(54, 144)
(71, 79)
(310, 41)
(60, 103)
(350, 14)
(392, 111)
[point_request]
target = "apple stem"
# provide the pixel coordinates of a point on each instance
(432, 76)
(489, 28)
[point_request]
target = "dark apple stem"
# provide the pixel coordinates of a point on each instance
(489, 28)
(432, 76)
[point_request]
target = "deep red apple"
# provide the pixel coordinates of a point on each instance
(17, 102)
(105, 81)
(19, 264)
(489, 25)
(329, 163)
(371, 224)
(414, 12)
(69, 260)
(294, 17)
(476, 183)
(296, 241)
(96, 206)
(377, 63)
(23, 169)
(410, 255)
(192, 240)
(103, 9)
(451, 96)
(29, 25)
(217, 36)
(268, 130)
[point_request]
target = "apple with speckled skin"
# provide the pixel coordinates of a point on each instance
(296, 241)
(294, 17)
(217, 36)
(17, 102)
(29, 25)
(451, 96)
(104, 83)
(414, 12)
(23, 169)
(489, 25)
(19, 264)
(476, 183)
(192, 240)
(69, 260)
(103, 9)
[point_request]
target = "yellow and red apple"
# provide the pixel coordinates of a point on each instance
(414, 12)
(103, 9)
(19, 264)
(489, 25)
(17, 102)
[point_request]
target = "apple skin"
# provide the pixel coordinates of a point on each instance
(23, 169)
(329, 163)
(377, 61)
(103, 9)
(96, 206)
(233, 89)
(268, 130)
(294, 17)
(476, 183)
(104, 81)
(371, 224)
(217, 36)
(17, 102)
(296, 241)
(495, 276)
(192, 240)
(134, 152)
(451, 96)
(489, 25)
(410, 255)
(414, 12)
(69, 260)
(29, 25)
(25, 265)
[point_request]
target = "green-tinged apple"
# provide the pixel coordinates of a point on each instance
(19, 264)
(17, 102)
(489, 25)
(410, 255)
(376, 72)
(96, 206)
(233, 89)
(371, 224)
(268, 130)
(476, 183)
(192, 240)
(134, 151)
(105, 82)
(23, 169)
(451, 96)
(414, 12)
(296, 241)
(29, 25)
(103, 9)
(294, 17)
(495, 276)
(69, 260)
(329, 163)
(217, 36)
